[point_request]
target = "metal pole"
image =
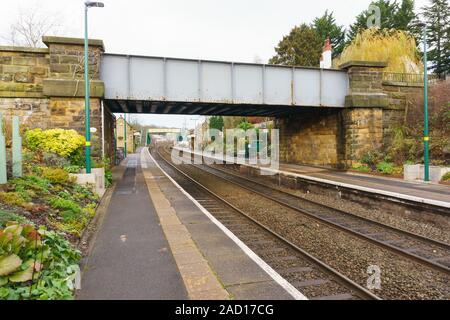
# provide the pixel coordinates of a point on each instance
(426, 138)
(103, 129)
(87, 93)
(125, 135)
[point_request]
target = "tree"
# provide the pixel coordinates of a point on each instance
(216, 122)
(30, 26)
(301, 47)
(437, 18)
(393, 16)
(326, 27)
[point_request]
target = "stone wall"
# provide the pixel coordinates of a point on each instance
(363, 132)
(45, 87)
(340, 137)
(311, 137)
(394, 114)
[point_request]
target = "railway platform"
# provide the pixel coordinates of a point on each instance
(397, 190)
(423, 192)
(168, 247)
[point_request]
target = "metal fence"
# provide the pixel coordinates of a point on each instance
(410, 78)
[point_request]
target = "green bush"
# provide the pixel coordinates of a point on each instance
(12, 199)
(65, 205)
(65, 143)
(369, 158)
(6, 216)
(72, 169)
(446, 177)
(385, 167)
(361, 167)
(55, 175)
(36, 264)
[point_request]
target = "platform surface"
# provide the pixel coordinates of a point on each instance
(417, 189)
(156, 243)
(431, 193)
(130, 258)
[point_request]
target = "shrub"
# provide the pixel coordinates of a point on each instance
(398, 48)
(6, 216)
(370, 159)
(446, 177)
(385, 167)
(55, 175)
(27, 254)
(72, 169)
(65, 143)
(54, 160)
(361, 167)
(65, 205)
(12, 199)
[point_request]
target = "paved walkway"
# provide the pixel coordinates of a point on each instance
(156, 243)
(131, 257)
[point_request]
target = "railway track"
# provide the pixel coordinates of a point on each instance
(426, 251)
(311, 276)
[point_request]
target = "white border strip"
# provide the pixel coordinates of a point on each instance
(350, 186)
(297, 295)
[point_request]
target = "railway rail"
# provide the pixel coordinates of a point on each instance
(313, 277)
(430, 252)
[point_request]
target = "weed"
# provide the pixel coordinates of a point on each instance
(55, 175)
(385, 167)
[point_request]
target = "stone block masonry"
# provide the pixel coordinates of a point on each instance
(45, 87)
(311, 137)
(340, 137)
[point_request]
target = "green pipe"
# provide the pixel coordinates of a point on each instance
(426, 137)
(87, 93)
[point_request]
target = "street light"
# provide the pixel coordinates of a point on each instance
(426, 137)
(87, 107)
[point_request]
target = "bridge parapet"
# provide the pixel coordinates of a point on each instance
(45, 87)
(172, 80)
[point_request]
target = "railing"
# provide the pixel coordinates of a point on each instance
(409, 78)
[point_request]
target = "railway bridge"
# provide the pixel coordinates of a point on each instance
(326, 117)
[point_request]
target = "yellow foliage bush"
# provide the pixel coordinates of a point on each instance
(398, 48)
(55, 175)
(12, 199)
(64, 143)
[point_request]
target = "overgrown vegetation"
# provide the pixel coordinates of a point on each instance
(35, 264)
(42, 213)
(397, 48)
(406, 145)
(65, 143)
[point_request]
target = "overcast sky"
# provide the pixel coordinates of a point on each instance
(231, 30)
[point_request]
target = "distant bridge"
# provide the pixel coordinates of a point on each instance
(138, 84)
(163, 130)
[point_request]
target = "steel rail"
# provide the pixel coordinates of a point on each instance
(337, 226)
(363, 292)
(419, 237)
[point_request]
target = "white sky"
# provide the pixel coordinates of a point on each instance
(232, 30)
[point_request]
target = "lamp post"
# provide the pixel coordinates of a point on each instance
(87, 107)
(125, 138)
(426, 138)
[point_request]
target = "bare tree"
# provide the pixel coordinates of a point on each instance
(31, 24)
